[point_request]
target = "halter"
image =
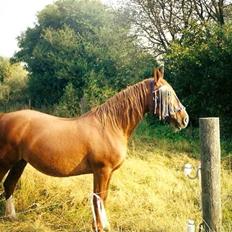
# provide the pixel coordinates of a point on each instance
(161, 99)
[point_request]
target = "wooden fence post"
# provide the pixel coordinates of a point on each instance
(210, 173)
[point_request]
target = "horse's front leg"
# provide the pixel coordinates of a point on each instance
(101, 183)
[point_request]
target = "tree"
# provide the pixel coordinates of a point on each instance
(69, 103)
(12, 84)
(200, 69)
(72, 40)
(4, 69)
(160, 22)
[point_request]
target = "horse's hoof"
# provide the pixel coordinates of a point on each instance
(10, 209)
(102, 230)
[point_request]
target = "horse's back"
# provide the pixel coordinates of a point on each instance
(13, 125)
(19, 128)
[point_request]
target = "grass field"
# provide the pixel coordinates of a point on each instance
(148, 193)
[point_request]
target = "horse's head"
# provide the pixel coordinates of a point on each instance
(166, 103)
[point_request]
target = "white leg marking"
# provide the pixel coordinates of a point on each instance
(101, 213)
(10, 209)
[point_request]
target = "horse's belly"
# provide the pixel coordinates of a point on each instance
(57, 160)
(60, 168)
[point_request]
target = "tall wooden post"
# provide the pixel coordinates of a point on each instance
(210, 173)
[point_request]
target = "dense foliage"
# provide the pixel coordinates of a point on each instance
(75, 49)
(13, 84)
(200, 70)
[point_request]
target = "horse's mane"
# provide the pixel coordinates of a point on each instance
(125, 106)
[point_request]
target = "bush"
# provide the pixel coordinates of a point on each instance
(68, 105)
(13, 85)
(200, 70)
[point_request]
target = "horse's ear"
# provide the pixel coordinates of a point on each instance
(158, 74)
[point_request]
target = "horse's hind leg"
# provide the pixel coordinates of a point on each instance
(9, 186)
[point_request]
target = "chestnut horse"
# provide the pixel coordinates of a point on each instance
(95, 142)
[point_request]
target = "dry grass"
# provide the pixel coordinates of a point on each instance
(148, 193)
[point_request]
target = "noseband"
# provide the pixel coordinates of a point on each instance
(162, 101)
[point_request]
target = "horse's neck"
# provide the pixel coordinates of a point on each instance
(132, 120)
(125, 110)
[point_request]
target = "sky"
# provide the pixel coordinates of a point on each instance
(15, 17)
